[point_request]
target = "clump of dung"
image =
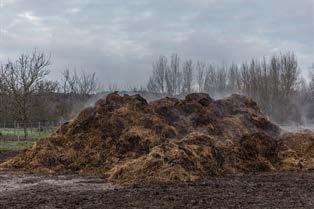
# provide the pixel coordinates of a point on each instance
(130, 140)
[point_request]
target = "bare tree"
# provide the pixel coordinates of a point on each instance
(152, 85)
(87, 83)
(173, 76)
(187, 74)
(289, 72)
(245, 78)
(273, 83)
(79, 84)
(210, 79)
(170, 82)
(22, 78)
(157, 82)
(68, 82)
(234, 81)
(222, 80)
(176, 73)
(46, 86)
(311, 85)
(310, 111)
(200, 69)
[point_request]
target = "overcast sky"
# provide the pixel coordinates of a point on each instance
(119, 39)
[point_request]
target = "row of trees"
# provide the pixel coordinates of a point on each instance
(275, 83)
(25, 89)
(26, 93)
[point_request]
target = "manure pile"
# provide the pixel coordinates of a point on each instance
(130, 140)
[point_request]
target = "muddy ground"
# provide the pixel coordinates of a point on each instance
(289, 190)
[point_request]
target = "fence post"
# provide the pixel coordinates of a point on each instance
(14, 127)
(18, 127)
(39, 130)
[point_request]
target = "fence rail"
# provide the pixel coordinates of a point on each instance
(33, 124)
(34, 130)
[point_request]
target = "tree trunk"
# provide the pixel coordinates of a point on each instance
(25, 130)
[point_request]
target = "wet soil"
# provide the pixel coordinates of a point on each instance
(289, 190)
(281, 190)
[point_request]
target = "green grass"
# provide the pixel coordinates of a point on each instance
(14, 145)
(32, 133)
(13, 139)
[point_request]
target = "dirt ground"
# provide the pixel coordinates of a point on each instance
(289, 190)
(254, 191)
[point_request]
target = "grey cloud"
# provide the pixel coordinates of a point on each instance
(120, 39)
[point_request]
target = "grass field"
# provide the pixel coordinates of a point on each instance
(13, 139)
(32, 133)
(6, 146)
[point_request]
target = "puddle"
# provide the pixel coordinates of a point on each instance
(12, 182)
